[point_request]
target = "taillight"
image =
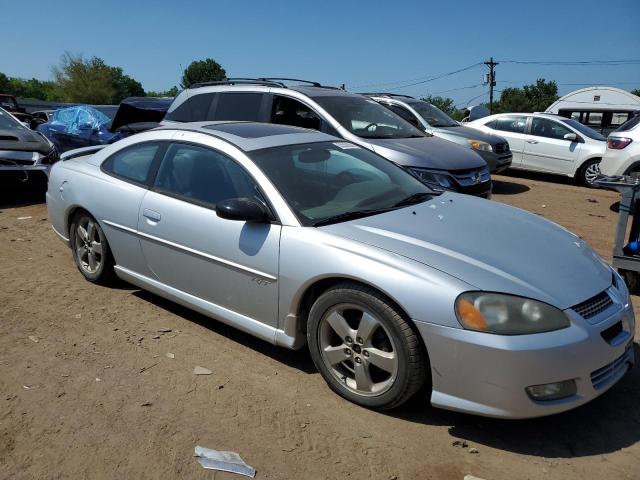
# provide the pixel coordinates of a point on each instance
(618, 143)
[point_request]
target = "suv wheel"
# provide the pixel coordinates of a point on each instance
(364, 348)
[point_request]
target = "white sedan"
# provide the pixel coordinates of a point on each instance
(548, 143)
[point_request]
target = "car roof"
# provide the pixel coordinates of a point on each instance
(248, 136)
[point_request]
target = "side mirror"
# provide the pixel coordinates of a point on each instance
(242, 209)
(85, 126)
(571, 136)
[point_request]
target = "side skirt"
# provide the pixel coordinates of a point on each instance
(229, 317)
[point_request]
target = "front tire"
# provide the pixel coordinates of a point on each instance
(364, 348)
(588, 173)
(90, 249)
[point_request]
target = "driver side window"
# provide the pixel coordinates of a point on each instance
(543, 127)
(287, 111)
(405, 114)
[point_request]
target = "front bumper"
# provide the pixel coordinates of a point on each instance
(487, 374)
(26, 161)
(497, 162)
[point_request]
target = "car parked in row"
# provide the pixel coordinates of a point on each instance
(84, 126)
(23, 151)
(492, 148)
(439, 163)
(299, 237)
(623, 150)
(548, 143)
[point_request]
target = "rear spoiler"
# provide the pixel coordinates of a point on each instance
(81, 152)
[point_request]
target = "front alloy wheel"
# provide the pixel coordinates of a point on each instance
(364, 348)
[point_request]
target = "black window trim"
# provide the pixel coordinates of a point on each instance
(153, 169)
(263, 110)
(273, 216)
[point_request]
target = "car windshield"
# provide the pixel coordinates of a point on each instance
(366, 118)
(583, 129)
(330, 182)
(7, 122)
(433, 115)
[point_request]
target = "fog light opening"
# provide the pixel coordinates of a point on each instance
(552, 391)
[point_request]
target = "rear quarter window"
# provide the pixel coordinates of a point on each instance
(132, 163)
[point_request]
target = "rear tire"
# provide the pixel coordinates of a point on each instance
(588, 172)
(90, 249)
(364, 348)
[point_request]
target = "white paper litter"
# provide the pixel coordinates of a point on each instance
(197, 370)
(24, 218)
(223, 461)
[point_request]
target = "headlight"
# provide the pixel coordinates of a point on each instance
(482, 146)
(507, 314)
(437, 180)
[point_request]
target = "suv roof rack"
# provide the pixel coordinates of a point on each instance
(240, 81)
(384, 94)
(265, 81)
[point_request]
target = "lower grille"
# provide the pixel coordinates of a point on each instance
(604, 376)
(593, 306)
(14, 163)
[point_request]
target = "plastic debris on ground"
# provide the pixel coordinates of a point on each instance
(201, 371)
(223, 461)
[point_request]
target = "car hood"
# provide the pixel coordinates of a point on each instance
(23, 140)
(471, 134)
(427, 152)
(488, 245)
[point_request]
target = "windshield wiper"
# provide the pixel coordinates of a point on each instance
(343, 217)
(413, 199)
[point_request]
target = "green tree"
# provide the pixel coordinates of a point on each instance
(207, 70)
(530, 98)
(93, 81)
(4, 83)
(172, 92)
(636, 92)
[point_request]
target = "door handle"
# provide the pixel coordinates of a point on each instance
(151, 215)
(532, 141)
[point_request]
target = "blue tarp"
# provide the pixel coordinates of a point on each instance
(75, 119)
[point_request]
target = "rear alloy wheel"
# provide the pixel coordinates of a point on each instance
(364, 348)
(588, 173)
(90, 249)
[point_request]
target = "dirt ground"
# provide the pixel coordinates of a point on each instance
(87, 389)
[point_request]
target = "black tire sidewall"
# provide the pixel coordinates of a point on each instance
(382, 312)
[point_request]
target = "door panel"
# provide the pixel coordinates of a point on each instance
(547, 151)
(232, 264)
(512, 128)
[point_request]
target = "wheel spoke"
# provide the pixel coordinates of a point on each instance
(81, 252)
(96, 247)
(336, 355)
(367, 326)
(82, 233)
(91, 230)
(339, 325)
(93, 263)
(363, 377)
(383, 360)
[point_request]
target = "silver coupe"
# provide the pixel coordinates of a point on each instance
(300, 238)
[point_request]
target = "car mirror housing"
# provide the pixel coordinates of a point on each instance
(243, 210)
(572, 137)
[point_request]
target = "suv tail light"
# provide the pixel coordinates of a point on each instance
(618, 143)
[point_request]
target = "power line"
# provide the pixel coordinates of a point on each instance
(575, 63)
(453, 89)
(417, 81)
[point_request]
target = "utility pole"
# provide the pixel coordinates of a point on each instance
(491, 80)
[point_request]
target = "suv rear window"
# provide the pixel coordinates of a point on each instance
(629, 124)
(238, 106)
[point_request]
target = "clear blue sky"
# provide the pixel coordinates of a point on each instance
(334, 42)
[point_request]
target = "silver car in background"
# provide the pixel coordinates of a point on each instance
(301, 238)
(492, 148)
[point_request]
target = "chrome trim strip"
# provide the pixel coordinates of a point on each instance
(192, 251)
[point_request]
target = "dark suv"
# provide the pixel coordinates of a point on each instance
(440, 164)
